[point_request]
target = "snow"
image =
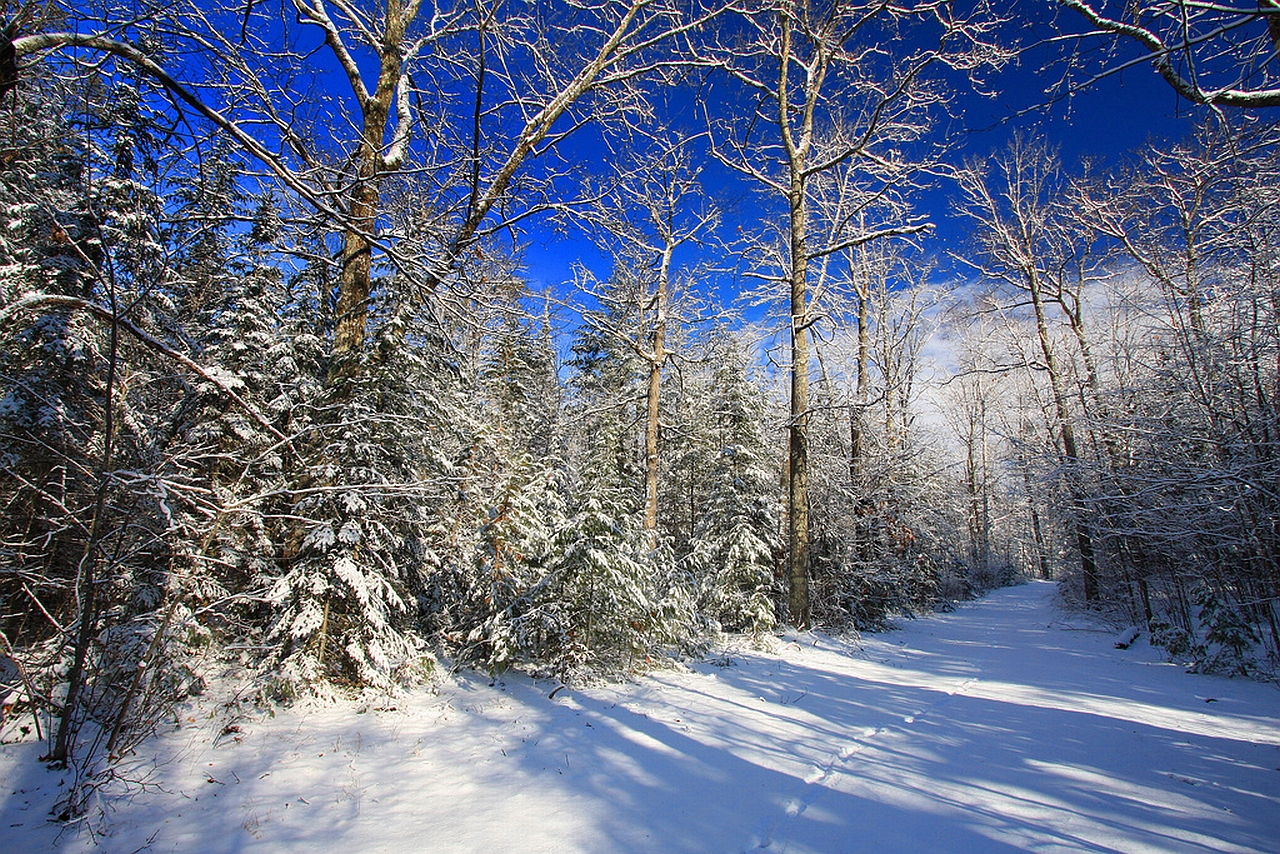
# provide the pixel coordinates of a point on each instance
(999, 727)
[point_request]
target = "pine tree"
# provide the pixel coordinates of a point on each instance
(499, 604)
(380, 455)
(737, 533)
(85, 408)
(51, 397)
(614, 598)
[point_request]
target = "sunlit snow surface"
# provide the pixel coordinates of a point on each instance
(998, 728)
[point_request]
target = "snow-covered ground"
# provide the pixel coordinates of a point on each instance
(1000, 727)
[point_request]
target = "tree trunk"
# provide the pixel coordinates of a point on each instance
(974, 513)
(1037, 532)
(798, 606)
(657, 356)
(799, 610)
(1084, 531)
(364, 202)
(651, 445)
(357, 264)
(87, 574)
(859, 405)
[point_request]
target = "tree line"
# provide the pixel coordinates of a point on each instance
(1126, 353)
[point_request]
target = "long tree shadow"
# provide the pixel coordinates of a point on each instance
(930, 740)
(658, 787)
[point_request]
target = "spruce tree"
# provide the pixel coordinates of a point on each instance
(737, 533)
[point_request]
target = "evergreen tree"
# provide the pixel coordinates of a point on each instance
(99, 400)
(737, 532)
(381, 456)
(498, 606)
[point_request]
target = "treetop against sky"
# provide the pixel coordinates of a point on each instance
(1086, 114)
(499, 114)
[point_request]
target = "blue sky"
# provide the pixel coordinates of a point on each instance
(1103, 121)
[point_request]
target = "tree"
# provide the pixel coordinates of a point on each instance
(656, 206)
(101, 407)
(982, 403)
(1026, 244)
(495, 590)
(737, 531)
(1209, 53)
(404, 145)
(1194, 224)
(830, 99)
(617, 596)
(879, 542)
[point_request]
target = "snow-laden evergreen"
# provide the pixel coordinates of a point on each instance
(737, 534)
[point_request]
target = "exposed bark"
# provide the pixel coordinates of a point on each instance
(797, 142)
(657, 356)
(1067, 434)
(1037, 530)
(87, 575)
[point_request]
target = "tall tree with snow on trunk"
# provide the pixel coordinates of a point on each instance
(829, 98)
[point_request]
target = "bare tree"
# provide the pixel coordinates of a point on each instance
(870, 471)
(655, 206)
(833, 94)
(1219, 54)
(1025, 245)
(1194, 224)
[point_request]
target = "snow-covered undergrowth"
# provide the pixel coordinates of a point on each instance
(996, 728)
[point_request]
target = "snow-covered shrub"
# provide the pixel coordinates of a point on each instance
(1222, 642)
(737, 543)
(1175, 640)
(1228, 638)
(602, 580)
(345, 604)
(735, 538)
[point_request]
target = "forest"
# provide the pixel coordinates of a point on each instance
(283, 394)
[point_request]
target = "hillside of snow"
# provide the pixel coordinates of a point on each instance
(1000, 727)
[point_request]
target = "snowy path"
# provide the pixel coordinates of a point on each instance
(992, 729)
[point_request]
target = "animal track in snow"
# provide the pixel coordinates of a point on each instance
(811, 785)
(849, 750)
(962, 688)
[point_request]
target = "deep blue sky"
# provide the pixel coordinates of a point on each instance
(1103, 122)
